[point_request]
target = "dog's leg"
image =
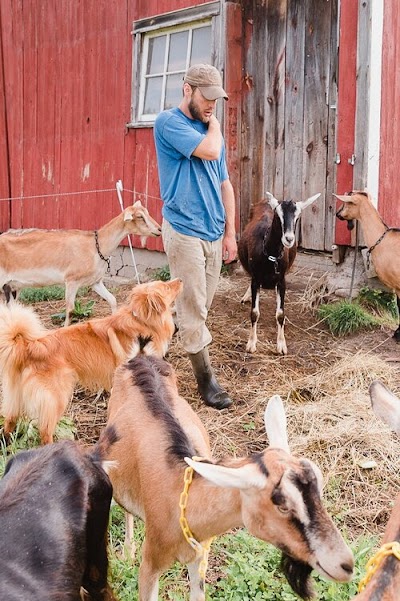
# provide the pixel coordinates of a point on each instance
(116, 347)
(9, 426)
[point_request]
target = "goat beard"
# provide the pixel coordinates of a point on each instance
(297, 574)
(350, 225)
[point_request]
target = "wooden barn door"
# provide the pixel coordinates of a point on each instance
(289, 109)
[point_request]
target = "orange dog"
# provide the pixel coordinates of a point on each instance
(41, 367)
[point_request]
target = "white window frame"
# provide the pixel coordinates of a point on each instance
(143, 30)
(147, 117)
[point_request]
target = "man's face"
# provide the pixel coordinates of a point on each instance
(200, 108)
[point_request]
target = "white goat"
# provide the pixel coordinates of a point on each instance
(35, 257)
(384, 583)
(383, 242)
(275, 495)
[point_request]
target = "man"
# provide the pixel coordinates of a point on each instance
(198, 227)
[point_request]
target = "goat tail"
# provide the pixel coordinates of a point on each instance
(100, 451)
(19, 326)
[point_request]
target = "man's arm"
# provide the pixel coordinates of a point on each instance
(229, 245)
(209, 148)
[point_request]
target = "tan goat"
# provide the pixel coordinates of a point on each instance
(76, 258)
(384, 584)
(383, 242)
(275, 495)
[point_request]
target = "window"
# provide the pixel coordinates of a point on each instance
(166, 57)
(164, 48)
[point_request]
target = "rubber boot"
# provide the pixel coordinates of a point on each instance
(209, 389)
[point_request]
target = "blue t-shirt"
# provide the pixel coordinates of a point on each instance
(190, 187)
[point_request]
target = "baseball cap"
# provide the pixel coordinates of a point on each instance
(208, 79)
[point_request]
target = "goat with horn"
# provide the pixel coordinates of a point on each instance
(267, 251)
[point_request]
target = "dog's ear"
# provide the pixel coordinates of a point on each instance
(147, 304)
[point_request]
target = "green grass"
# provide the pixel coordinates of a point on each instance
(246, 569)
(26, 436)
(47, 293)
(345, 317)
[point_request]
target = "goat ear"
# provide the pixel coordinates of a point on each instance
(244, 477)
(385, 405)
(304, 203)
(272, 201)
(128, 214)
(275, 423)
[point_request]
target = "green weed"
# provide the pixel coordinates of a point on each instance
(81, 311)
(162, 273)
(345, 317)
(378, 301)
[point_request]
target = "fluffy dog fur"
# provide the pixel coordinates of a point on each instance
(41, 367)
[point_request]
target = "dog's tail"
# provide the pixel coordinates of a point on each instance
(19, 326)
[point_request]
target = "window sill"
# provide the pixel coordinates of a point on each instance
(139, 125)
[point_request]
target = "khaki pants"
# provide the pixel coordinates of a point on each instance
(198, 264)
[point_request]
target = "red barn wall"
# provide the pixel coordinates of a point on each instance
(389, 180)
(64, 107)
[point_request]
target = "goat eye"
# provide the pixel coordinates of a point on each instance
(283, 509)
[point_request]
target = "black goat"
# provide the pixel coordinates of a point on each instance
(267, 250)
(54, 510)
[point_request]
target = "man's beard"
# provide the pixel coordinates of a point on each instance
(195, 112)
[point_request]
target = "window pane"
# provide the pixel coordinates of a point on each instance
(177, 51)
(152, 97)
(201, 45)
(173, 92)
(155, 58)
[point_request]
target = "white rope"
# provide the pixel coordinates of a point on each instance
(120, 188)
(56, 194)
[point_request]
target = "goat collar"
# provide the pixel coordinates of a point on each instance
(379, 239)
(376, 560)
(105, 259)
(202, 549)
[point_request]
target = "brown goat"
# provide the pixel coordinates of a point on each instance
(384, 584)
(383, 242)
(54, 511)
(75, 258)
(274, 494)
(267, 250)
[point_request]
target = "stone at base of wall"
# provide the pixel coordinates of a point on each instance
(123, 269)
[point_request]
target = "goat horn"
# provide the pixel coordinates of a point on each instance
(343, 198)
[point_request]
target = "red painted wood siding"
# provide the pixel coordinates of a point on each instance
(346, 105)
(389, 180)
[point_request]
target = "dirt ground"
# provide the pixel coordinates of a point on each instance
(323, 382)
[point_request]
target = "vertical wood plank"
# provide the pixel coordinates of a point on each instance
(294, 101)
(330, 204)
(316, 84)
(274, 120)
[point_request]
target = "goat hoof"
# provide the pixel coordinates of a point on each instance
(251, 348)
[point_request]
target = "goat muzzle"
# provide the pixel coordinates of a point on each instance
(350, 222)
